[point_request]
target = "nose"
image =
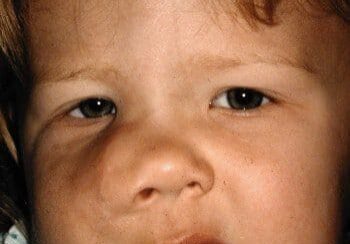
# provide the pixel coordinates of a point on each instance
(170, 170)
(138, 167)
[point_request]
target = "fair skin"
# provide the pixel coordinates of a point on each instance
(174, 159)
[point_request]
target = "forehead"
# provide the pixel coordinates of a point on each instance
(65, 32)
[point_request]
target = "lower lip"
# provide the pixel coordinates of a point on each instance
(199, 239)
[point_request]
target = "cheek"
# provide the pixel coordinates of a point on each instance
(283, 178)
(65, 190)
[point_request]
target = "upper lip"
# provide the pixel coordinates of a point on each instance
(195, 238)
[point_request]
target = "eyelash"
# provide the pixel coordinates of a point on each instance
(85, 109)
(239, 99)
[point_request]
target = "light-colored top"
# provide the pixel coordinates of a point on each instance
(13, 236)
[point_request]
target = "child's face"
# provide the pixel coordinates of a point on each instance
(173, 147)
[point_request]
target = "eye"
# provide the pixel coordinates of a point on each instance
(240, 99)
(94, 108)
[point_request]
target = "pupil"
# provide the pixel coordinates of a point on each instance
(243, 98)
(94, 108)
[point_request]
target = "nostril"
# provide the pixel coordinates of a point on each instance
(193, 188)
(192, 184)
(145, 195)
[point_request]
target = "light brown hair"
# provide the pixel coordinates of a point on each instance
(11, 63)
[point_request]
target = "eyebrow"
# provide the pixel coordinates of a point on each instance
(209, 62)
(221, 63)
(92, 72)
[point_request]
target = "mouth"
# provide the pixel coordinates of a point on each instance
(196, 238)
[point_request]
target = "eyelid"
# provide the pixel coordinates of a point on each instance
(221, 100)
(78, 114)
(75, 113)
(62, 95)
